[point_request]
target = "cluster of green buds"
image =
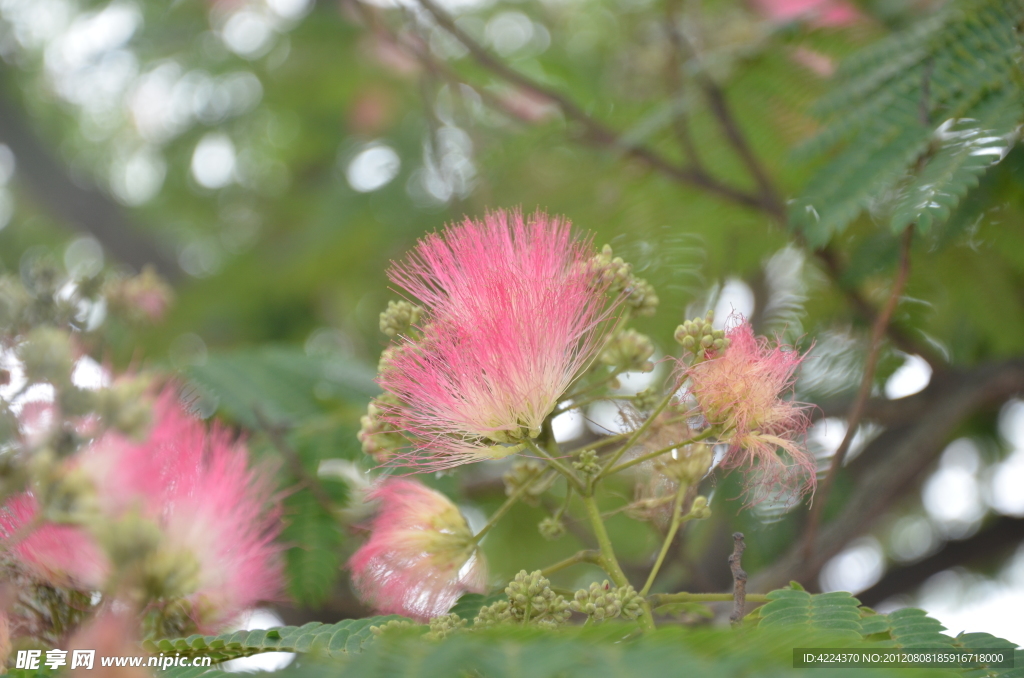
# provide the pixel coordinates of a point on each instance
(526, 476)
(628, 350)
(647, 399)
(700, 338)
(399, 318)
(391, 626)
(604, 601)
(530, 601)
(640, 294)
(551, 528)
(587, 464)
(444, 626)
(65, 495)
(379, 438)
(700, 509)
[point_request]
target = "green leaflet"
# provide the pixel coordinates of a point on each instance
(914, 120)
(282, 383)
(326, 640)
(313, 563)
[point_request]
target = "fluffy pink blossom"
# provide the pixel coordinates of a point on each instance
(197, 485)
(214, 513)
(420, 556)
(818, 12)
(60, 555)
(513, 313)
(741, 391)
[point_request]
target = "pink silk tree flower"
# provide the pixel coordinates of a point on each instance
(513, 313)
(740, 391)
(825, 13)
(213, 510)
(420, 556)
(65, 556)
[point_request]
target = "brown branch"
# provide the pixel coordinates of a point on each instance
(674, 80)
(830, 259)
(997, 539)
(595, 132)
(857, 410)
(739, 578)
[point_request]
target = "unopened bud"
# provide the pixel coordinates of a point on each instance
(628, 350)
(125, 407)
(399, 318)
(700, 509)
(46, 355)
(379, 437)
(551, 528)
(392, 626)
(445, 625)
(587, 464)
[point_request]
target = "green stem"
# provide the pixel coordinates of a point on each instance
(636, 435)
(659, 599)
(677, 508)
(593, 557)
(611, 563)
(703, 435)
(557, 465)
(504, 508)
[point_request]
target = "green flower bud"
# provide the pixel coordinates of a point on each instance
(700, 509)
(46, 355)
(551, 528)
(603, 601)
(531, 601)
(379, 438)
(527, 472)
(493, 615)
(399, 318)
(125, 407)
(646, 400)
(628, 350)
(587, 464)
(391, 626)
(445, 625)
(66, 496)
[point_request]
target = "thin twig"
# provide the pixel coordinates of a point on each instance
(657, 453)
(294, 461)
(770, 201)
(677, 507)
(680, 121)
(857, 409)
(590, 556)
(594, 131)
(739, 578)
(571, 477)
(659, 599)
(507, 506)
(637, 434)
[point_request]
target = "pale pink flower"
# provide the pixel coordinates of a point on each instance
(817, 12)
(215, 515)
(420, 556)
(60, 555)
(197, 486)
(740, 391)
(512, 316)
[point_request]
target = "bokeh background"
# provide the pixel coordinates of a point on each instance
(270, 157)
